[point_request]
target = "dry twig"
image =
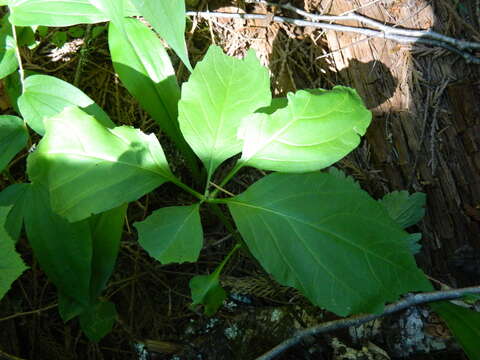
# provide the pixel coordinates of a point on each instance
(408, 301)
(401, 35)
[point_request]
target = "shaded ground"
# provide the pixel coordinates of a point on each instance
(424, 138)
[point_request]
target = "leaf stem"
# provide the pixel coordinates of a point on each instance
(187, 188)
(21, 71)
(220, 267)
(239, 165)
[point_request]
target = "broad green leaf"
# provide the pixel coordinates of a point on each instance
(144, 67)
(63, 249)
(106, 230)
(8, 57)
(339, 174)
(89, 168)
(112, 9)
(218, 95)
(14, 196)
(329, 239)
(98, 320)
(464, 325)
(68, 307)
(315, 130)
(405, 209)
(414, 242)
(206, 290)
(169, 20)
(46, 96)
(13, 138)
(60, 12)
(11, 264)
(13, 89)
(172, 234)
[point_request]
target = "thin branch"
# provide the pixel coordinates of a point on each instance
(408, 301)
(32, 312)
(4, 355)
(387, 29)
(468, 57)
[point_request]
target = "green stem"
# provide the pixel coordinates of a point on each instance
(226, 179)
(187, 188)
(220, 267)
(21, 72)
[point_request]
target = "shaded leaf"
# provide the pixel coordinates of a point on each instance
(172, 234)
(98, 320)
(168, 18)
(63, 249)
(329, 239)
(14, 196)
(315, 130)
(106, 230)
(11, 264)
(406, 209)
(464, 325)
(46, 96)
(276, 104)
(90, 169)
(206, 290)
(68, 308)
(218, 95)
(13, 138)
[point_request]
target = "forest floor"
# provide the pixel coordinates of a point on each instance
(425, 137)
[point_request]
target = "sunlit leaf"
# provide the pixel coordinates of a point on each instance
(218, 95)
(145, 69)
(168, 18)
(89, 168)
(60, 12)
(46, 96)
(112, 9)
(326, 237)
(8, 58)
(315, 130)
(172, 234)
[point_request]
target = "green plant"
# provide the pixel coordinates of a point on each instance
(315, 231)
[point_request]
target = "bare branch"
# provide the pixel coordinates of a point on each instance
(469, 58)
(387, 29)
(408, 301)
